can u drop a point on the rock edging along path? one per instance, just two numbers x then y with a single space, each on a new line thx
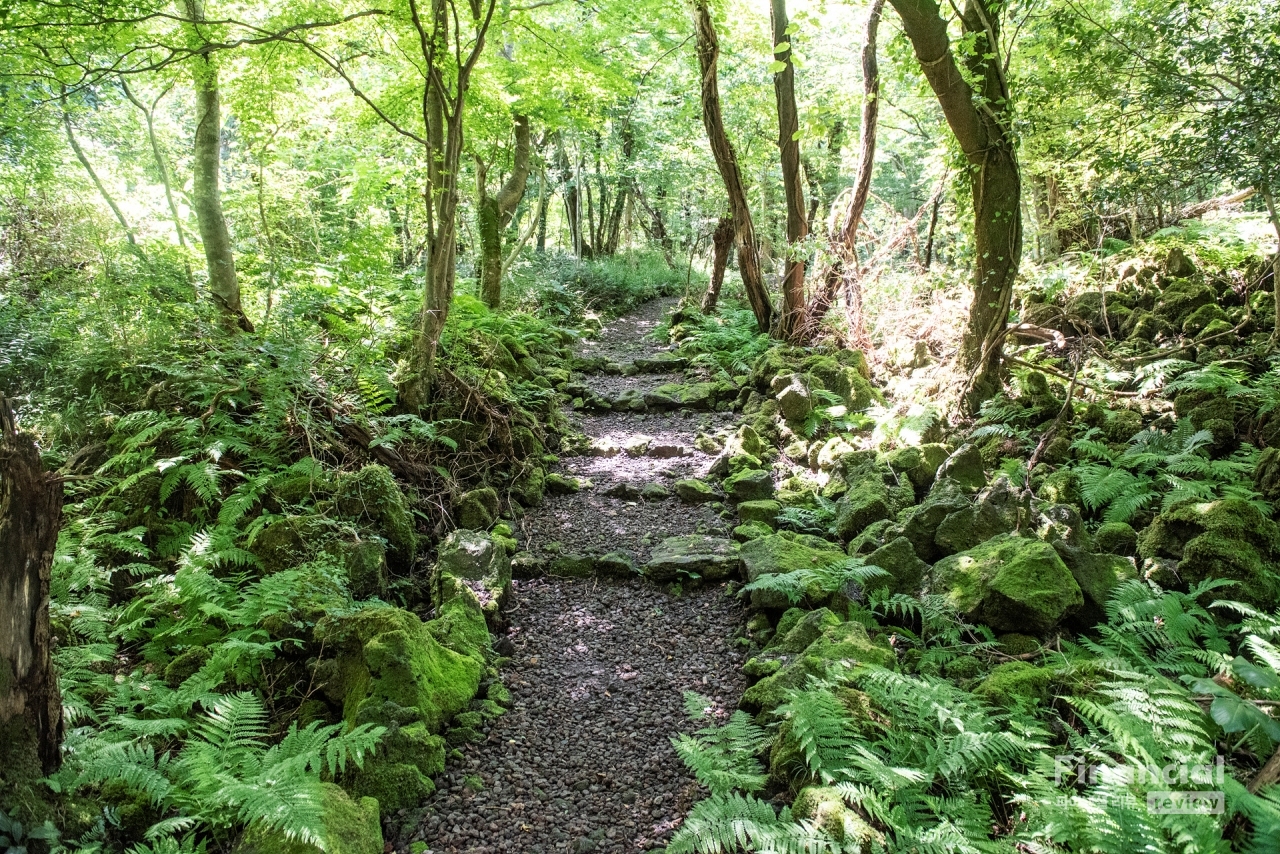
582 762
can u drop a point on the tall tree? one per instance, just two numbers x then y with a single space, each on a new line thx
30 704
784 88
206 185
708 49
975 103
496 211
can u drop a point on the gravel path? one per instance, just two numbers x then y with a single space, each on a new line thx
583 762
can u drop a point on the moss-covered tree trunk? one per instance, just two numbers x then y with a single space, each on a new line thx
206 184
708 48
495 213
975 105
1274 215
784 88
30 704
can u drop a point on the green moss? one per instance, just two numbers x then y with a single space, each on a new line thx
1061 487
1227 539
1197 320
1117 538
371 494
558 484
789 620
460 625
476 510
751 531
848 383
805 631
847 643
386 655
185 665
964 667
351 827
781 554
760 511
530 486
393 786
290 541
827 810
898 558
1018 644
365 562
499 694
749 485
1011 583
1016 684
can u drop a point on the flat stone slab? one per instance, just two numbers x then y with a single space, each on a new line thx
709 558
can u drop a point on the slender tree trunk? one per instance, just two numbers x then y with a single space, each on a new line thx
721 241
708 48
206 186
30 703
93 175
495 213
933 229
844 269
542 215
979 121
162 167
1267 197
784 88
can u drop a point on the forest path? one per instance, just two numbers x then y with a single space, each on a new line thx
582 762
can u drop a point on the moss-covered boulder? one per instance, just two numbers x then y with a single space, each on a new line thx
824 806
476 510
803 631
365 562
1016 683
291 540
1117 538
707 558
477 561
1061 487
1010 583
970 527
351 826
906 570
864 503
766 511
372 495
749 485
694 491
846 381
1228 539
530 485
460 623
964 468
387 658
779 554
1098 576
920 524
1180 299
919 464
846 644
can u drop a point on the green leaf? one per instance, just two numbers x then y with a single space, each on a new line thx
777 67
781 47
1254 675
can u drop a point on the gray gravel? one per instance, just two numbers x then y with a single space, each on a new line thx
583 761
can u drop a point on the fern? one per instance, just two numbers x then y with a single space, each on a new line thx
727 823
723 758
821 726
817 580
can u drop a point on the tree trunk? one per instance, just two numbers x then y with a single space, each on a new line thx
784 88
979 121
542 215
93 176
442 111
495 213
933 229
162 167
30 703
206 191
708 48
1275 259
844 269
721 240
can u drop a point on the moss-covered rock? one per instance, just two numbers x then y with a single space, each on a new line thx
760 511
751 531
1180 299
290 540
530 485
1117 538
845 381
1016 684
708 558
969 527
372 495
619 564
845 643
920 523
460 623
350 827
749 485
558 484
803 631
1010 583
1061 487
781 554
864 503
477 561
695 491
964 468
388 660
827 810
898 558
919 464
476 510
1227 539
365 562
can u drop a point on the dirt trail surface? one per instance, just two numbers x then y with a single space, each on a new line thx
583 762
